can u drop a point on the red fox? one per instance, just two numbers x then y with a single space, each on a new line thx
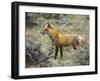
61 39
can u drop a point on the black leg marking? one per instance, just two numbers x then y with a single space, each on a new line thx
61 52
74 47
56 53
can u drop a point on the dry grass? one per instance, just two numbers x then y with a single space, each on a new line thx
78 24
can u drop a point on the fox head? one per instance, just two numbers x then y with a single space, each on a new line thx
48 27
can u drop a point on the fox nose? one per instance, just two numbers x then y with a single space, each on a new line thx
42 32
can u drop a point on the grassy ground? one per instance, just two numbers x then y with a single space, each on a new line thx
78 24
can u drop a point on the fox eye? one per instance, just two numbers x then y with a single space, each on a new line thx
51 28
46 29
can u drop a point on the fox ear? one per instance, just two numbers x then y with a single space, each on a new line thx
48 25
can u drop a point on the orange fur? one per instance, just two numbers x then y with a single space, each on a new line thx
61 39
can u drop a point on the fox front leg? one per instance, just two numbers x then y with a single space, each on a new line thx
61 52
56 53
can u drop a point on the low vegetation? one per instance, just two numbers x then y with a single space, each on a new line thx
40 50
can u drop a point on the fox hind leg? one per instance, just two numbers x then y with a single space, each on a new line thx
74 47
